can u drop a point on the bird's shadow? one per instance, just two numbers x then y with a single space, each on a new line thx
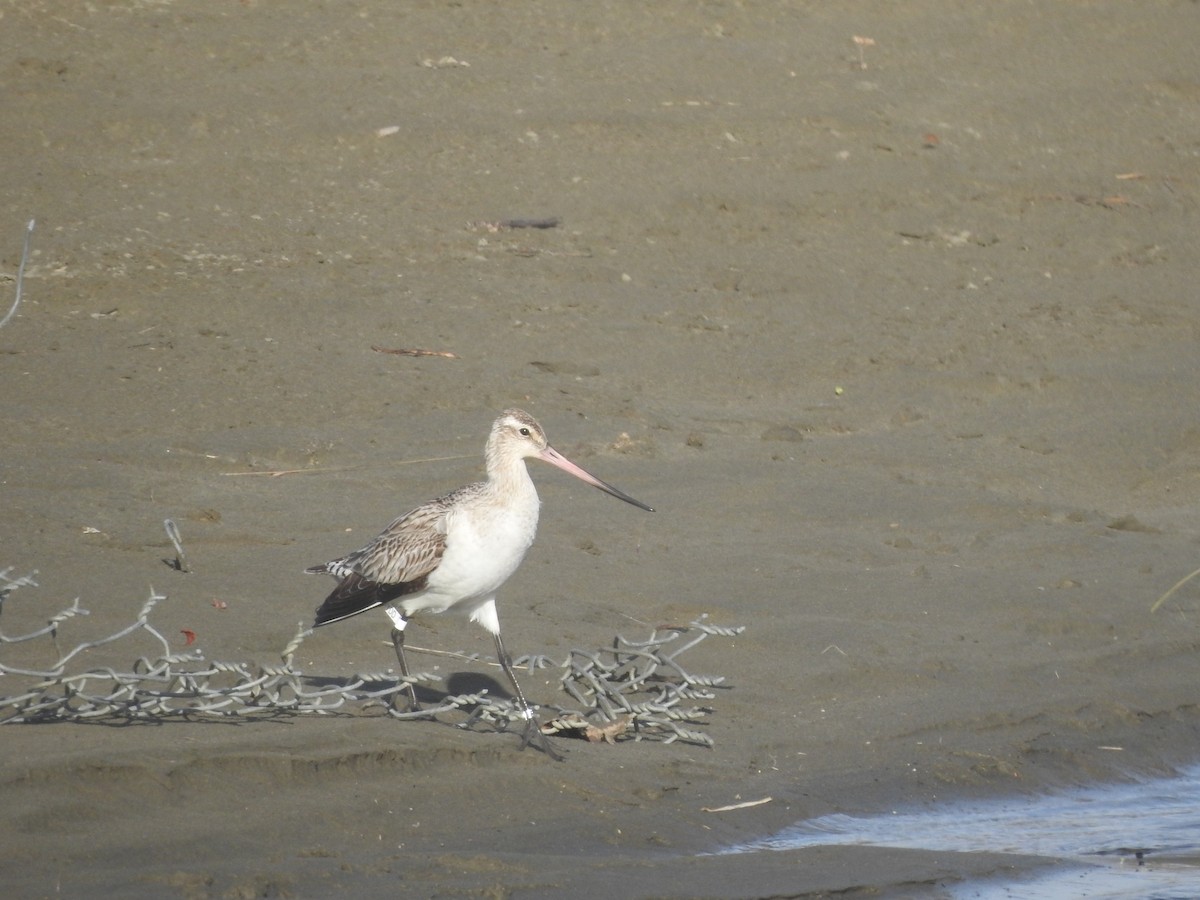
474 683
456 684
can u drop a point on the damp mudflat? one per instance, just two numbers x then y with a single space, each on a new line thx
888 310
1134 838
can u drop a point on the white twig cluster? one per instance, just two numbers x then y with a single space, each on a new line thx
639 686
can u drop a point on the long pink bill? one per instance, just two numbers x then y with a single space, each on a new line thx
555 458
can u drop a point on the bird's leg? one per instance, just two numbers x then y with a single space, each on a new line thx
533 732
398 621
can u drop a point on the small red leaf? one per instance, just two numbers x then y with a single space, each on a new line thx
189 636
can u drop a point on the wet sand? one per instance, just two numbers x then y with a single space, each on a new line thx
901 347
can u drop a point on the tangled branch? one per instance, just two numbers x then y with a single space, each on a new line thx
633 689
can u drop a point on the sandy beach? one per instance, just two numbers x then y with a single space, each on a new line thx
885 308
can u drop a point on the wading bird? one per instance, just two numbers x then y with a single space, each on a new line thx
455 552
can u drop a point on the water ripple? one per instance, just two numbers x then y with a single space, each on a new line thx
1121 840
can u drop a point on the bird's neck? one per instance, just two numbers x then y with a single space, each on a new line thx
509 480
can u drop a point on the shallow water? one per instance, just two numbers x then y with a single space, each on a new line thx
1139 839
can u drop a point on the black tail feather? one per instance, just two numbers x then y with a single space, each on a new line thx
355 594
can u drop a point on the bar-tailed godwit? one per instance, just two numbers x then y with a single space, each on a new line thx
457 551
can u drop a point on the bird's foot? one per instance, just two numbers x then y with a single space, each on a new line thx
410 692
535 737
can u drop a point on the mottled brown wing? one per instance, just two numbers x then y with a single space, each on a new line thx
396 563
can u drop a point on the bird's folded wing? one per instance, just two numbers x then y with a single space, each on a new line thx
396 563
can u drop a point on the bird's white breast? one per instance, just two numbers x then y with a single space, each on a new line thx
485 543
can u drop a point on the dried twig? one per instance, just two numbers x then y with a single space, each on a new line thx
505 224
20 275
180 563
324 470
401 351
733 806
1180 583
861 42
276 473
551 222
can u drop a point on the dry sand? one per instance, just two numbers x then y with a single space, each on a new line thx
904 354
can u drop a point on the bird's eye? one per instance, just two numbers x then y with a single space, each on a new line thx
525 432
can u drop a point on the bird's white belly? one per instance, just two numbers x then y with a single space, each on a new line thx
483 549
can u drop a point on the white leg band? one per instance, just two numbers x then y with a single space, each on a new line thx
397 618
527 714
